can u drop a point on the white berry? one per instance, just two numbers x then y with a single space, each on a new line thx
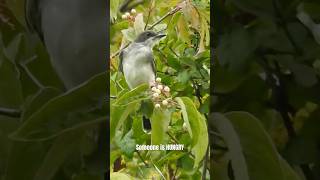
158 79
184 126
165 102
124 16
158 91
157 106
166 89
160 87
127 14
133 11
155 95
153 89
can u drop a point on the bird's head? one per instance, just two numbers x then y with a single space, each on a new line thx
150 38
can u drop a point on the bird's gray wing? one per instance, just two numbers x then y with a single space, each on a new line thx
121 61
153 65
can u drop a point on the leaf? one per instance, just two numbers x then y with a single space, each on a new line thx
226 81
61 113
159 124
135 95
139 24
10 88
309 23
235 49
262 8
191 14
24 160
118 116
196 126
261 156
59 151
289 173
114 8
127 144
38 100
120 176
129 34
303 74
183 30
232 141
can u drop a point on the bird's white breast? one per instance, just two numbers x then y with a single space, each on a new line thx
137 66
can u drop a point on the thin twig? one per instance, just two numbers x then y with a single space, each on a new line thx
15 113
173 11
141 158
149 13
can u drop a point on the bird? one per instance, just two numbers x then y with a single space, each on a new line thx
137 60
75 34
138 66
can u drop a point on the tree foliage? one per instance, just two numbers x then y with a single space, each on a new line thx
183 64
265 90
46 132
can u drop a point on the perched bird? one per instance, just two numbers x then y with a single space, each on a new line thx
75 35
137 63
137 60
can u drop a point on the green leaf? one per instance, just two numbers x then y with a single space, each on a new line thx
127 144
114 8
159 124
120 176
38 100
24 160
10 88
261 156
235 49
129 34
261 8
61 148
135 95
289 173
196 126
309 23
118 115
62 114
232 140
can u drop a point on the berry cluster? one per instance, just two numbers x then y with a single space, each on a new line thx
128 16
161 95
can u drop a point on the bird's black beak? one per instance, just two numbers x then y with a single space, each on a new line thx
160 36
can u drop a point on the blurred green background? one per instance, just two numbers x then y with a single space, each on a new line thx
265 95
46 132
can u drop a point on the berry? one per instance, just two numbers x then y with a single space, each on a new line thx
158 91
133 11
155 95
160 87
157 106
166 89
165 102
158 79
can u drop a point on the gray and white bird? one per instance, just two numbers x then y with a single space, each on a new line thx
137 60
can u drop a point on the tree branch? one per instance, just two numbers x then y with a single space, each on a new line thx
15 113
